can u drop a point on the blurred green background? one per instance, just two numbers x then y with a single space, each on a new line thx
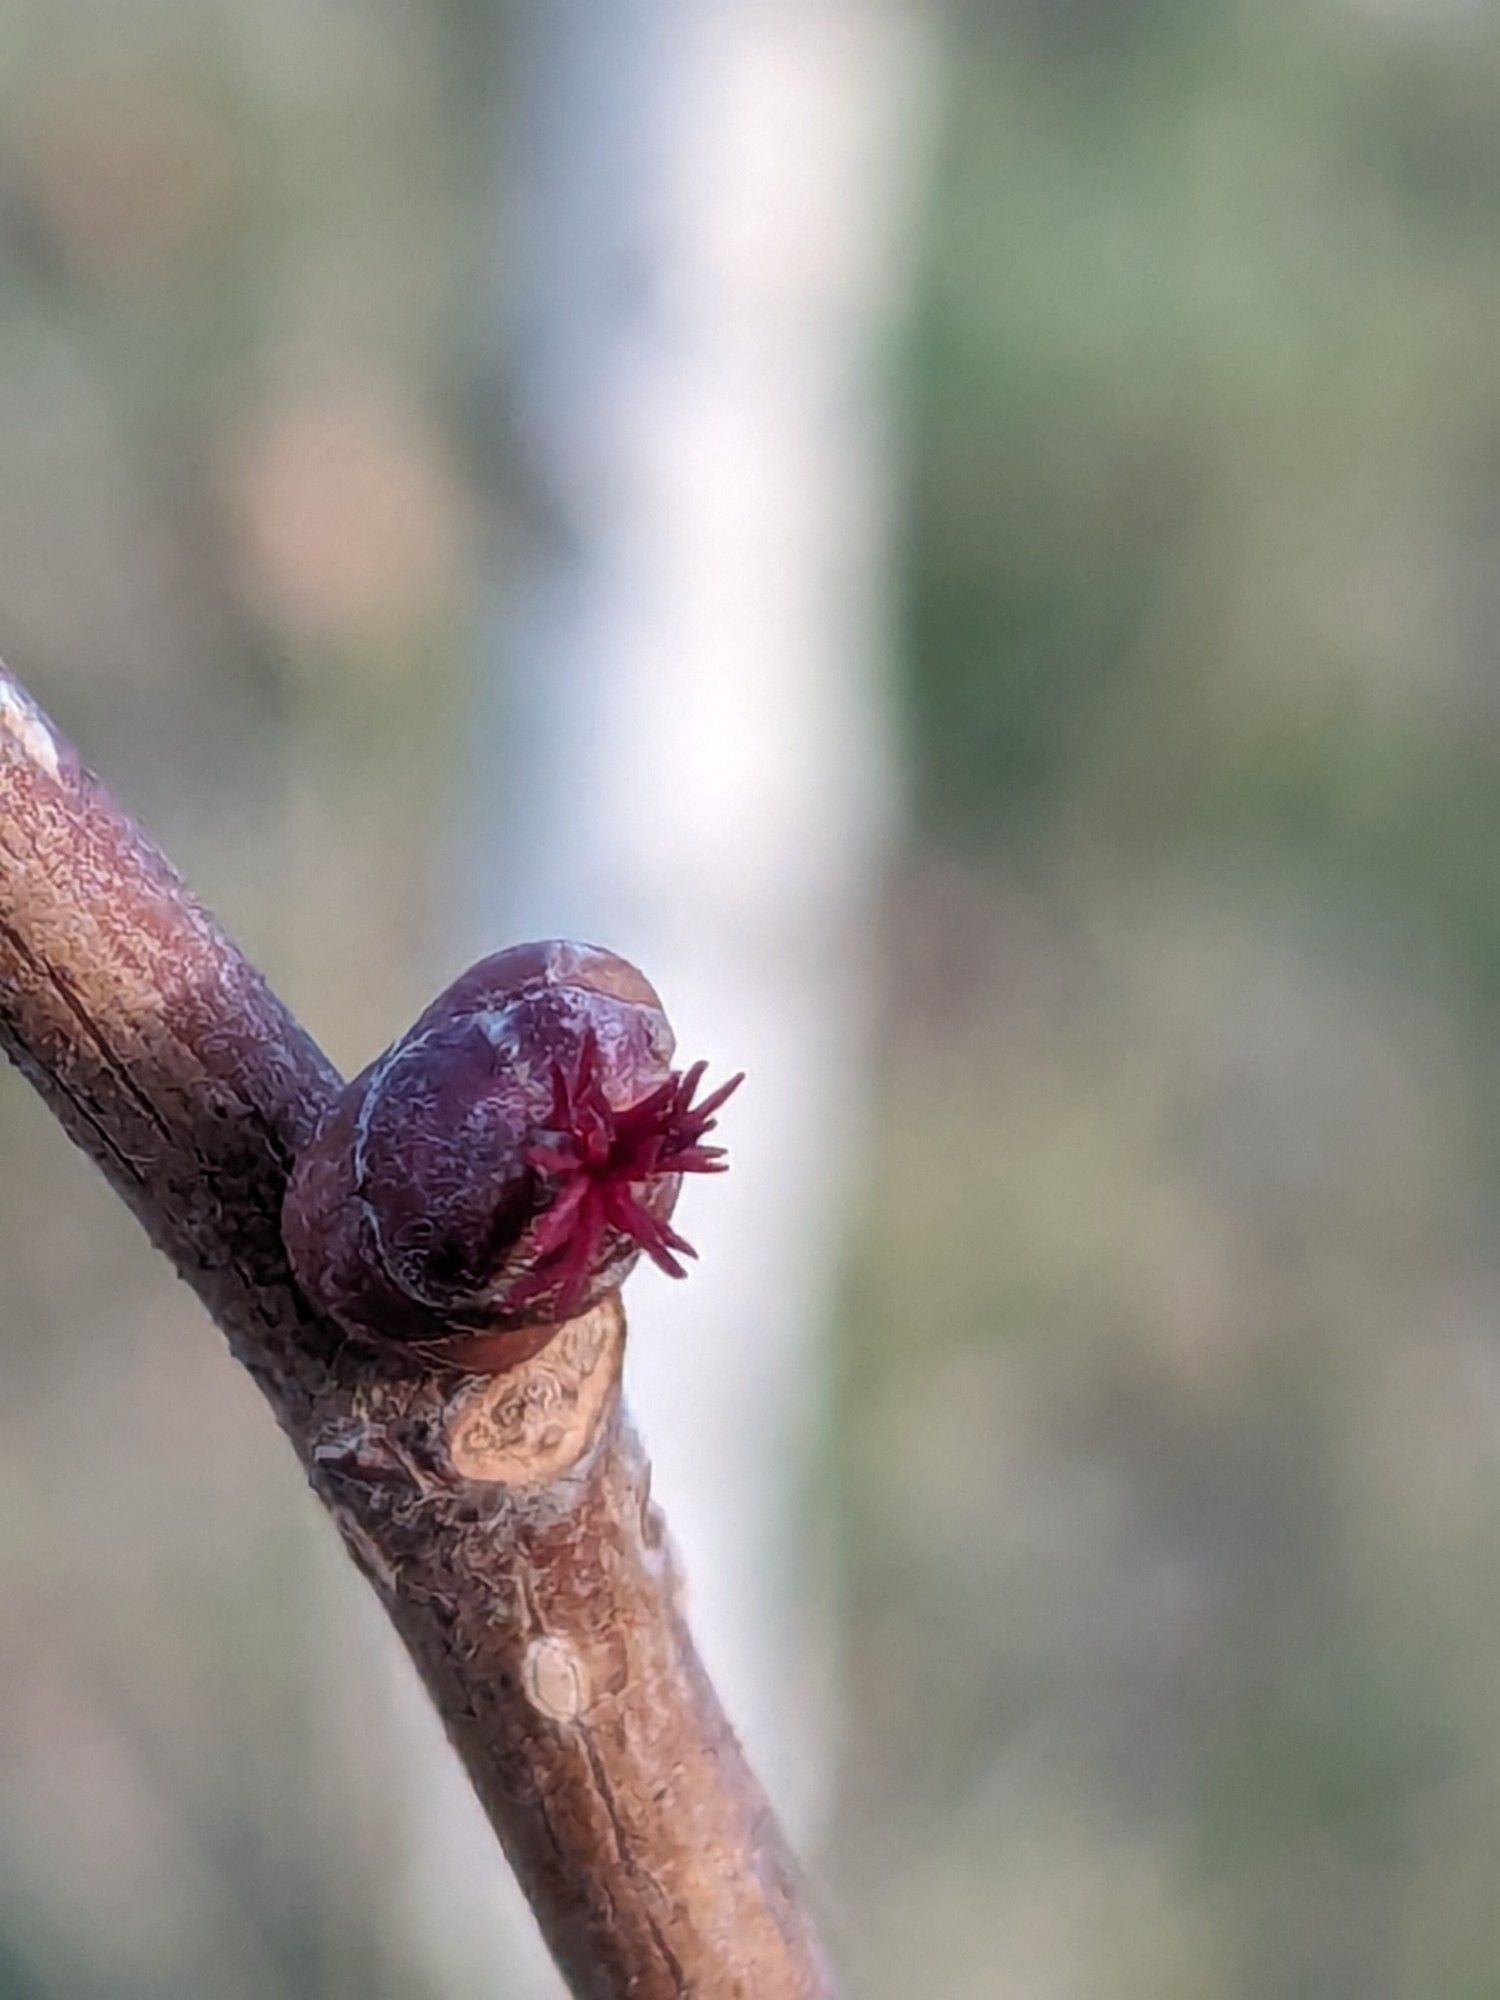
1166 1456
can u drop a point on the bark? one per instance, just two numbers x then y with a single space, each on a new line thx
505 1523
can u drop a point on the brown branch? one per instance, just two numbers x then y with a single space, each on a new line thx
506 1523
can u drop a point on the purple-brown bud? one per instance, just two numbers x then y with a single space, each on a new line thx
504 1164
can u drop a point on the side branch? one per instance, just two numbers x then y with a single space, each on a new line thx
506 1523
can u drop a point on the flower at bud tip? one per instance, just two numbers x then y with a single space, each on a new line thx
506 1162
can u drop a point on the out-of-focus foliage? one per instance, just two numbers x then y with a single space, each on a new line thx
242 251
1168 1442
1173 1458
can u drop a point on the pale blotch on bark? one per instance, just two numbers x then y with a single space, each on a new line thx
26 728
555 1679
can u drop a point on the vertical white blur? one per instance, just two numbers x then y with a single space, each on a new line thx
682 748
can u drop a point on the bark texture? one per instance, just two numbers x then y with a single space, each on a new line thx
506 1522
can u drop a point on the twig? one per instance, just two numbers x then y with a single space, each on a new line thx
505 1523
